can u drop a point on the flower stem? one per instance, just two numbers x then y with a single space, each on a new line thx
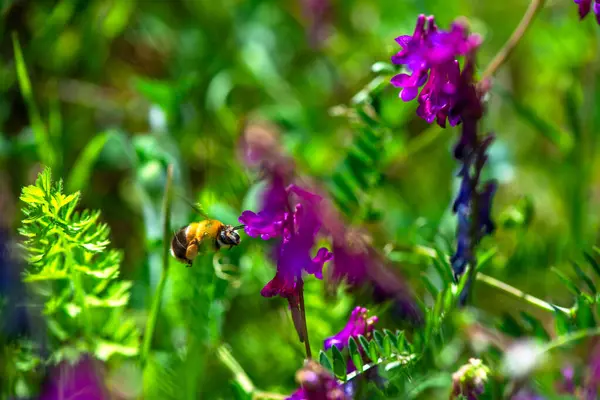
152 317
520 294
239 375
534 7
303 313
571 337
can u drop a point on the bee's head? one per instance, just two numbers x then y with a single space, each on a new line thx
228 236
179 246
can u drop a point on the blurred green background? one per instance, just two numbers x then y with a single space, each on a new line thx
119 89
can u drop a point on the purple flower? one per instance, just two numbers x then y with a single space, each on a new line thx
318 13
358 324
76 382
527 394
430 55
469 381
465 201
316 383
585 6
297 227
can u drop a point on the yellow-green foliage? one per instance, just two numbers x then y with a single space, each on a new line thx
75 274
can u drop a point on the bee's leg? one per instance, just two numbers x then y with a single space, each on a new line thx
189 264
191 251
230 247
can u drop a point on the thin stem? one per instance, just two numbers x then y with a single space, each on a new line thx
239 375
268 396
520 294
534 7
303 313
151 324
572 337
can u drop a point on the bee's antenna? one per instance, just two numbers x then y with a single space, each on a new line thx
237 228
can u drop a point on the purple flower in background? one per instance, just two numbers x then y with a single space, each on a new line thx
430 56
469 381
297 227
359 265
527 394
75 382
358 324
592 382
318 13
316 383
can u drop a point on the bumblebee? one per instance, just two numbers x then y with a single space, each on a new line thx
202 237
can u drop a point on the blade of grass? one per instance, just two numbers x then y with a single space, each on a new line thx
150 325
82 169
46 151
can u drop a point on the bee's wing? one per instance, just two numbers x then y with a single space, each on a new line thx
195 206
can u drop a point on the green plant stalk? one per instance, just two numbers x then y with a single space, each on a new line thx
534 301
305 326
502 56
156 302
45 149
239 375
571 337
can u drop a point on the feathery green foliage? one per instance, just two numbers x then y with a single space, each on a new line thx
75 274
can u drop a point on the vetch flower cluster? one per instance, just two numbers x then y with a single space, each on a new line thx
290 214
430 56
469 381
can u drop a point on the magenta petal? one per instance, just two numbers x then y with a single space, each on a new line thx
403 40
262 224
409 93
358 324
400 80
316 267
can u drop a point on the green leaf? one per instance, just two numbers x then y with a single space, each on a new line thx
393 338
584 316
325 361
429 285
364 343
105 349
562 139
584 277
355 354
567 281
590 259
373 351
45 148
80 174
378 338
239 393
562 323
339 364
536 326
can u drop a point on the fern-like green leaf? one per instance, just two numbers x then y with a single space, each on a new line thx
75 274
